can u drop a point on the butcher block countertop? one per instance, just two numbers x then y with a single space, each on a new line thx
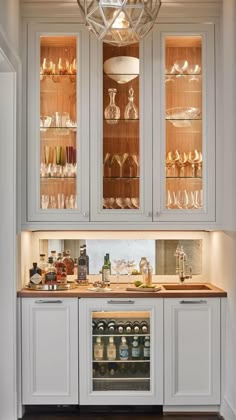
164 290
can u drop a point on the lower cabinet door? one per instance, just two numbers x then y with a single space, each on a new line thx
50 351
192 351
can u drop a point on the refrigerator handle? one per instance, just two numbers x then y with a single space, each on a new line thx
120 302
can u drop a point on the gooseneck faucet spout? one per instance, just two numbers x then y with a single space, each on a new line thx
182 268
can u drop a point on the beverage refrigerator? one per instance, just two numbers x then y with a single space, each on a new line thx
121 351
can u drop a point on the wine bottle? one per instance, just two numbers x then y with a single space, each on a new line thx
87 257
144 327
82 268
136 327
101 326
68 261
108 262
106 272
128 327
111 326
112 369
120 327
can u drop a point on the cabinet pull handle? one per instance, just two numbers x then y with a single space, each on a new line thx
120 302
149 214
192 301
48 301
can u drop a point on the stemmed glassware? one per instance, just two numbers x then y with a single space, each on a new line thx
129 265
171 161
120 158
193 159
182 163
118 266
136 161
181 66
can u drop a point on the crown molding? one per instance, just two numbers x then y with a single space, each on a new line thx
169 9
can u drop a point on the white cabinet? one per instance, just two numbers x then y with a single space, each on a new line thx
192 351
57 123
129 376
49 351
173 140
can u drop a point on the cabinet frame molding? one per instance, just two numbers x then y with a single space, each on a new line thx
34 212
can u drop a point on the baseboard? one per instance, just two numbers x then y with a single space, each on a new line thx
227 410
206 409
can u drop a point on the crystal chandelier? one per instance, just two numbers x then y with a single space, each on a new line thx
119 22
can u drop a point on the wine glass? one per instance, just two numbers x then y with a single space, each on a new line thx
182 199
193 158
129 265
182 162
121 158
118 266
107 163
171 161
171 199
194 70
135 202
199 165
136 161
181 66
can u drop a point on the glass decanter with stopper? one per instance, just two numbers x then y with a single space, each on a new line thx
112 111
131 110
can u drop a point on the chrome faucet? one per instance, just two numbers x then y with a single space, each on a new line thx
182 268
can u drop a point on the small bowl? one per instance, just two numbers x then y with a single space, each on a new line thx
122 69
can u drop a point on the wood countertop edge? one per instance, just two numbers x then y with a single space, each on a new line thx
82 292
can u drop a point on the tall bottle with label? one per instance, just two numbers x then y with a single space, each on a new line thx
35 275
69 263
108 262
87 257
43 265
60 266
111 349
106 272
82 269
123 349
51 273
98 349
146 348
136 349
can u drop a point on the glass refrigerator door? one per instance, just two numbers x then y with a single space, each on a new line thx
121 351
58 122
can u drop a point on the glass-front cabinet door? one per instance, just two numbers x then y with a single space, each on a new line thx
184 85
121 343
121 147
58 133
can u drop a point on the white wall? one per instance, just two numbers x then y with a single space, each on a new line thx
223 244
9 22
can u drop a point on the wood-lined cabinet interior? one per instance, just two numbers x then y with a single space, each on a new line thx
121 127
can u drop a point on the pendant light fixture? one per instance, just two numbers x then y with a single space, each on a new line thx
119 22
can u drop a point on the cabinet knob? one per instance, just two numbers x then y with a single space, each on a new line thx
86 214
149 214
157 213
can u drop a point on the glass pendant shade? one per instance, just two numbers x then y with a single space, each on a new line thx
119 22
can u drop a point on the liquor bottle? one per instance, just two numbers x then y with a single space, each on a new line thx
106 272
51 272
111 326
146 348
111 349
64 276
98 349
144 327
87 258
136 349
128 327
59 264
69 263
35 274
101 326
42 265
120 327
136 327
54 256
82 269
123 349
108 262
102 369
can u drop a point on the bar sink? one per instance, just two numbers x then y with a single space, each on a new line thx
186 287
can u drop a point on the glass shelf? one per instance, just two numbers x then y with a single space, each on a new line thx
120 177
183 177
